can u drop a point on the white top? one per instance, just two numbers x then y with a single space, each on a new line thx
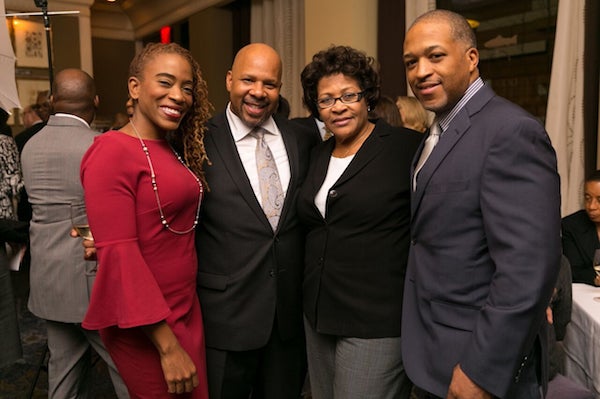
336 167
246 147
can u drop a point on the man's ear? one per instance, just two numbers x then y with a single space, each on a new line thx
96 101
228 80
473 55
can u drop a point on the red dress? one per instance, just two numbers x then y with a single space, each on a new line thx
146 273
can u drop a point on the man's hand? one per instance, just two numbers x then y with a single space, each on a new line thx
461 387
89 250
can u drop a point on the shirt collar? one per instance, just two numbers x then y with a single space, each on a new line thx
240 130
72 116
445 118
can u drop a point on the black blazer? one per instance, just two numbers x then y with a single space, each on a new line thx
580 241
309 124
247 273
356 257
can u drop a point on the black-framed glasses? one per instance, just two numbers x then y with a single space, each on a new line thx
346 98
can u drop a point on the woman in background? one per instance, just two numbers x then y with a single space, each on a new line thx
387 110
413 115
143 202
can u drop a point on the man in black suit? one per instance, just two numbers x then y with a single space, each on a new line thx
250 273
33 123
580 233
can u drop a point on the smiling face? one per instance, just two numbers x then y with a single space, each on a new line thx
439 67
346 121
164 93
253 84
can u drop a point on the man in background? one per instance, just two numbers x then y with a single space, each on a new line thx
32 122
60 279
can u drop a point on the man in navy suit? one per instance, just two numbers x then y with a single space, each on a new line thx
486 248
249 272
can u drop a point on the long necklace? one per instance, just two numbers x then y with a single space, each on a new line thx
163 219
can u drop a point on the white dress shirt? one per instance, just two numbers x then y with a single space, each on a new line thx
246 147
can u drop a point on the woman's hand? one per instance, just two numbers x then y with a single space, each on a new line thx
178 368
89 249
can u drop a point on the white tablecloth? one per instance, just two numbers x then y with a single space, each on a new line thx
582 340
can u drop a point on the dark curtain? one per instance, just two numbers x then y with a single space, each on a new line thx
391 18
591 73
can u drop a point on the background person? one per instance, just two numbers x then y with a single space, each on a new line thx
11 231
32 122
355 204
11 179
60 279
412 113
387 110
143 203
485 228
580 232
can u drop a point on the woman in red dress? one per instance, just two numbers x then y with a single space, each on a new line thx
143 203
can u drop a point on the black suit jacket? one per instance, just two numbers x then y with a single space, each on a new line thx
580 241
249 276
309 125
356 256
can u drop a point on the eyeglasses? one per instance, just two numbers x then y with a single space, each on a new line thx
346 98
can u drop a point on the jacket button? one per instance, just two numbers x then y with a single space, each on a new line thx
272 273
333 193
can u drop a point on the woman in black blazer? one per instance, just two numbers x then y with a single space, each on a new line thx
355 205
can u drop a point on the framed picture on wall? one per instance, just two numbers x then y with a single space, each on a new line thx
30 44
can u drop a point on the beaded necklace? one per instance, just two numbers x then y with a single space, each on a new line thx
163 219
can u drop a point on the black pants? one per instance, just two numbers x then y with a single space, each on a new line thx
275 371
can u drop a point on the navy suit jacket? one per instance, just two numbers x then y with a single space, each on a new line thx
248 274
485 250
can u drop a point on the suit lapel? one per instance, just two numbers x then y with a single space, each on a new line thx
225 146
459 125
291 148
369 150
318 170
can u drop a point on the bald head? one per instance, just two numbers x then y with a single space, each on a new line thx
459 27
74 92
254 82
259 52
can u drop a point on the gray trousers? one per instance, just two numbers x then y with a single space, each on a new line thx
70 364
355 368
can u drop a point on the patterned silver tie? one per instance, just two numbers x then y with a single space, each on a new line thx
268 177
432 140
